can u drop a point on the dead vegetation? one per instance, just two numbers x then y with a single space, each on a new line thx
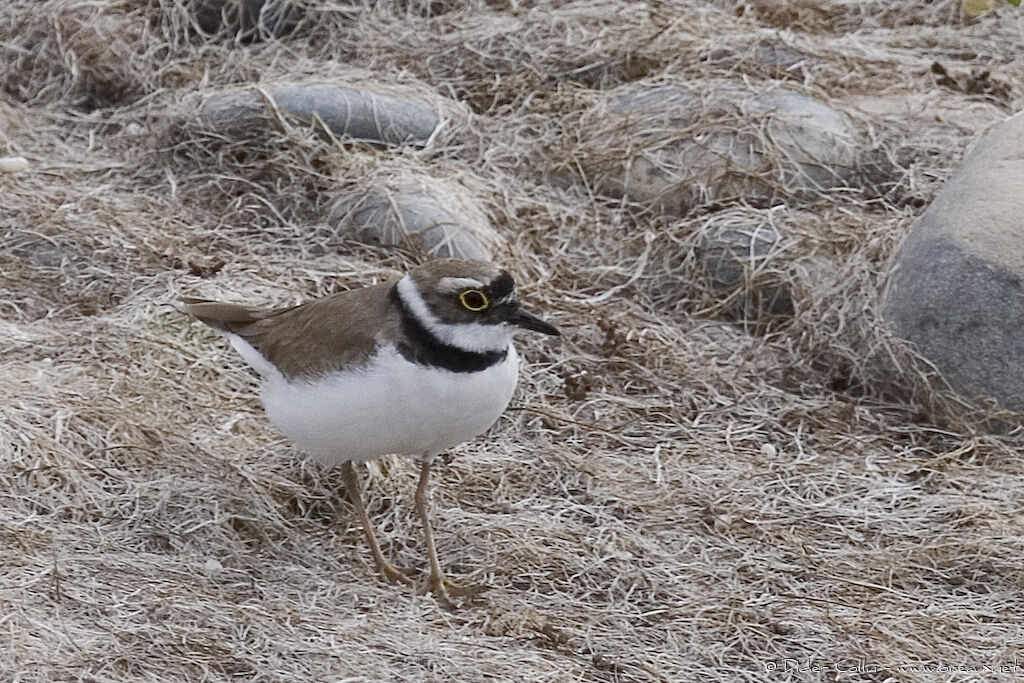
683 490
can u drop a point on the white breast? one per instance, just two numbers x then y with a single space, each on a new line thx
389 406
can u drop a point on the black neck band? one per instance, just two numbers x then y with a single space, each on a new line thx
422 347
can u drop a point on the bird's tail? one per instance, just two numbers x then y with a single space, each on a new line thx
219 315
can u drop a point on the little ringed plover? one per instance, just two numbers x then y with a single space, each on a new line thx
410 367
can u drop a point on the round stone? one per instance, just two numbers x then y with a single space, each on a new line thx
734 249
250 19
434 217
686 146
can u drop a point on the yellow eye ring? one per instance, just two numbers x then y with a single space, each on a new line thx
474 300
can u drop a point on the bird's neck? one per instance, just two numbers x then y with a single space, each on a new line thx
472 337
429 341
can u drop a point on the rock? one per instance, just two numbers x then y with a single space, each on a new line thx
42 253
956 286
252 20
676 147
768 56
15 164
432 216
730 251
734 251
779 55
358 114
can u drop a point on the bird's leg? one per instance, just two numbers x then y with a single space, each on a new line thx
388 570
436 584
436 581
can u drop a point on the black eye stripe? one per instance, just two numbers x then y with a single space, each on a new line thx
502 286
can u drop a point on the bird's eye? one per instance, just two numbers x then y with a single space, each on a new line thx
474 300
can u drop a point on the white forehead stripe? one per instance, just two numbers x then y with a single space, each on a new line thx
455 284
474 337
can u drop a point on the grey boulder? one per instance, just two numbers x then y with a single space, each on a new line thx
956 286
673 146
356 114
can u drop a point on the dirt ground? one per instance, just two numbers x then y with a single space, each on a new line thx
686 486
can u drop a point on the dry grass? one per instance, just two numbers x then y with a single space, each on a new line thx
684 490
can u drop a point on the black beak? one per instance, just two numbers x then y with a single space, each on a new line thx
529 321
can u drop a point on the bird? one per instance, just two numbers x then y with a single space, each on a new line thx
411 366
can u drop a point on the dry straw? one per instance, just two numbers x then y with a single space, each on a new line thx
686 488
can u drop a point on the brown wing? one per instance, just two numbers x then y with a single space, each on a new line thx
314 337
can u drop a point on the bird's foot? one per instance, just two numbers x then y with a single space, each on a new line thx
392 573
444 590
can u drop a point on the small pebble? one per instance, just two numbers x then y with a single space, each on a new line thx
768 450
13 164
212 566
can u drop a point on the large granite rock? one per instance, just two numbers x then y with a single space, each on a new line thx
357 114
956 286
673 146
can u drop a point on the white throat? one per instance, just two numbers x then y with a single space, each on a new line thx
474 337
